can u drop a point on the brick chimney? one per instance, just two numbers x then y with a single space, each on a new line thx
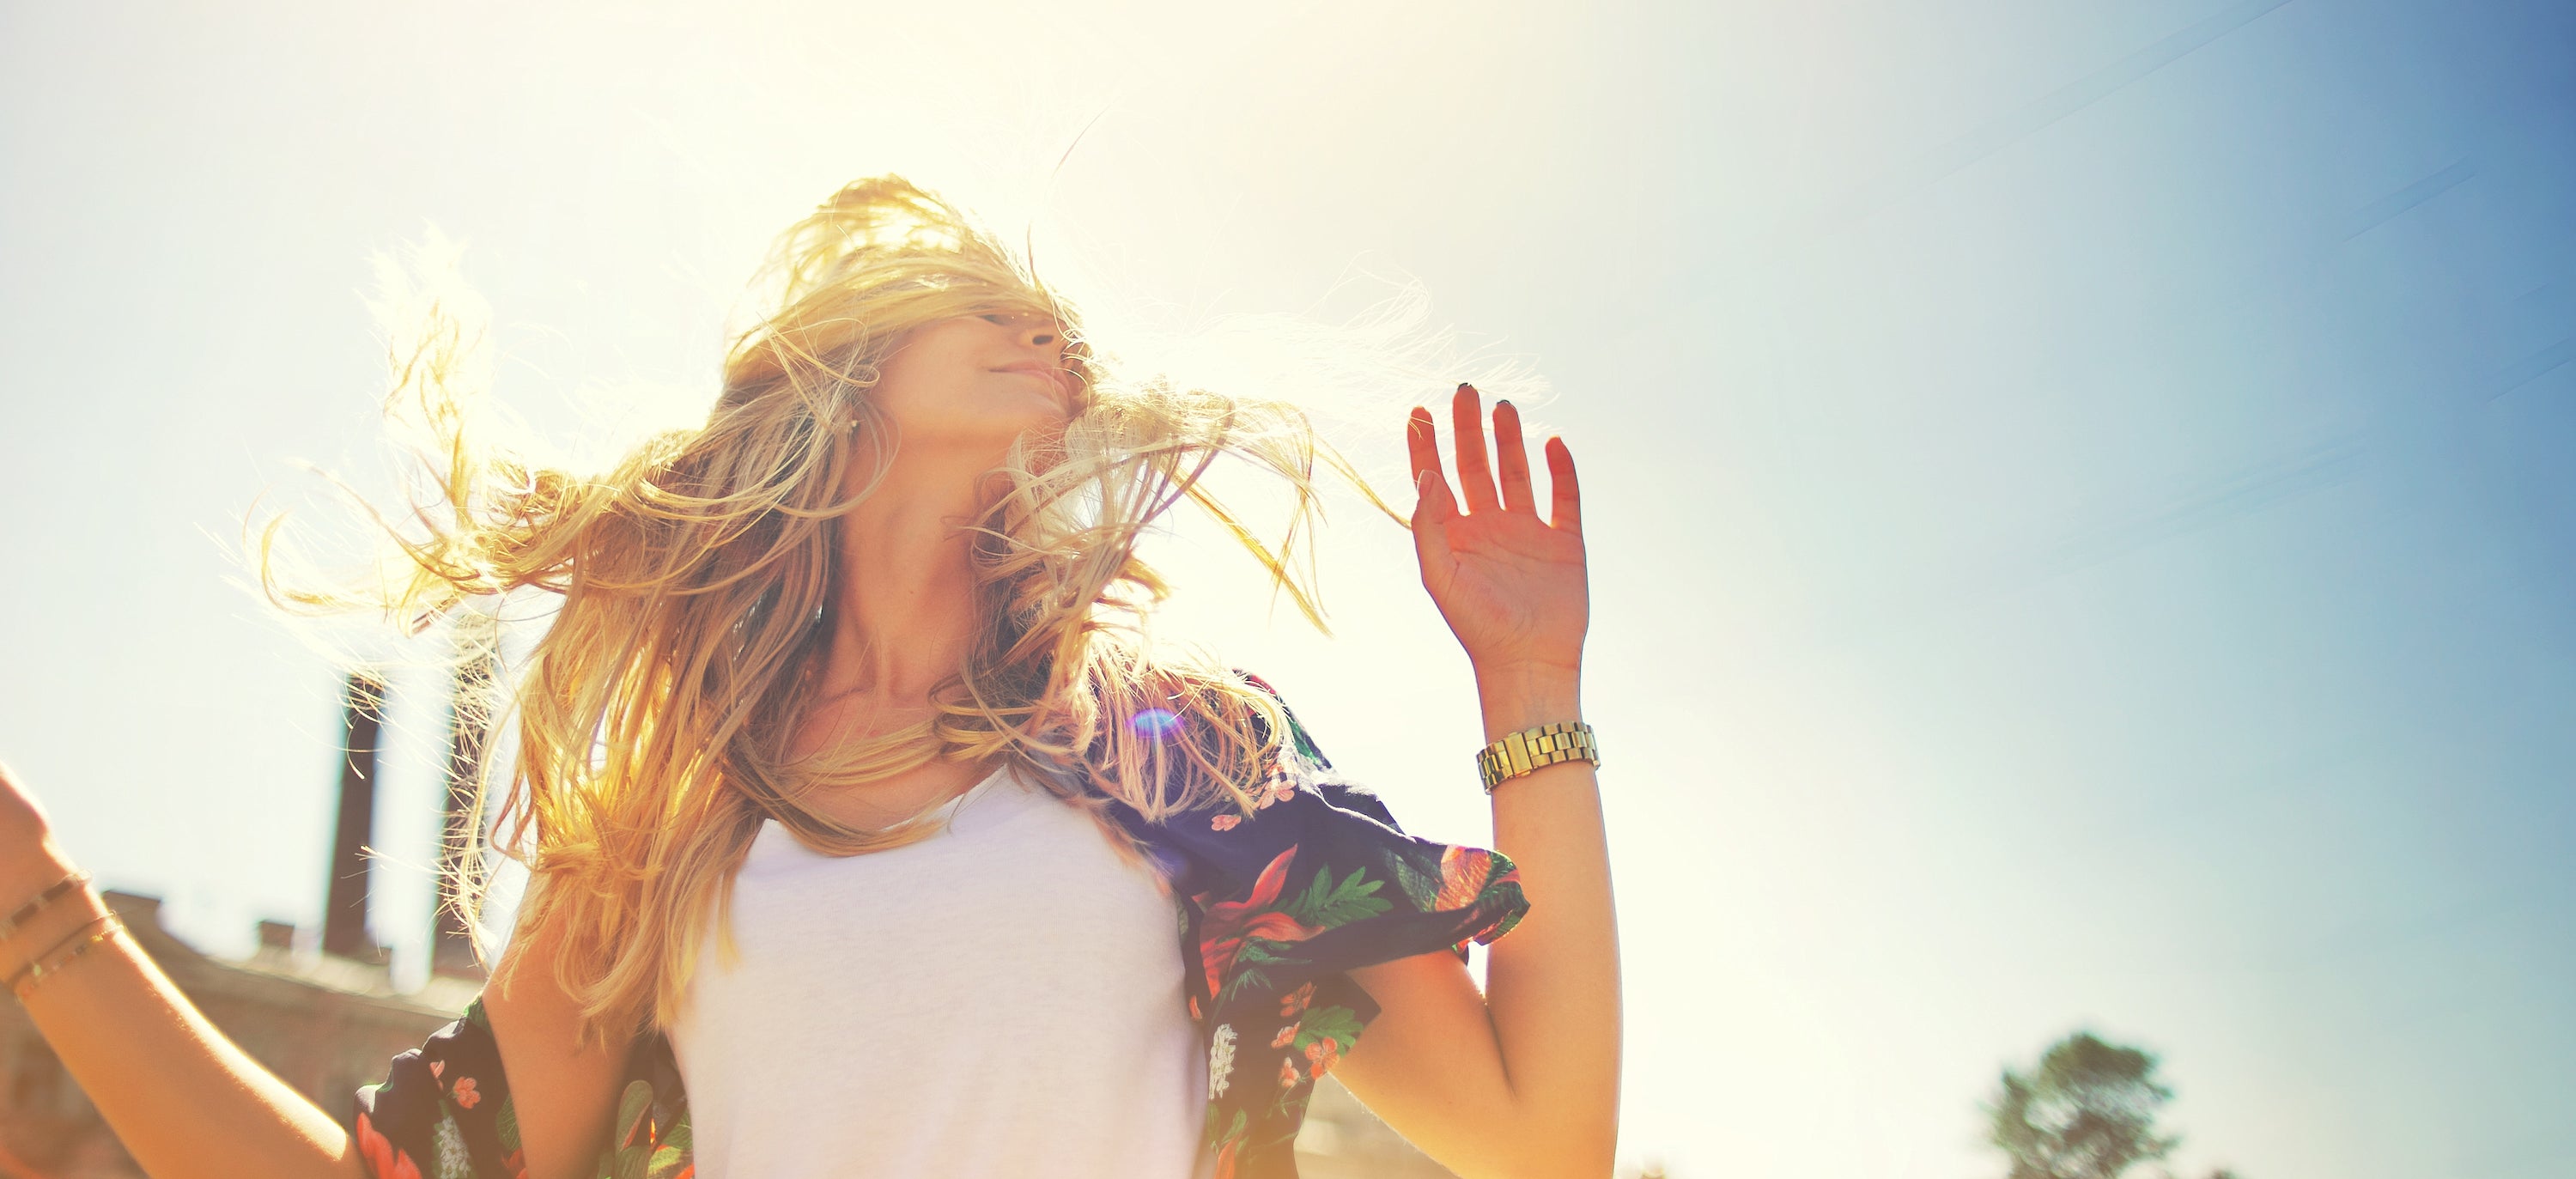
344 918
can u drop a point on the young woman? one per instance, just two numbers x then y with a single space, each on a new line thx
863 818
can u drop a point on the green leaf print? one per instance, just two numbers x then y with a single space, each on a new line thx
622 1160
668 1158
1422 888
1338 1024
1307 750
1233 1129
1325 904
1248 962
633 1110
1502 896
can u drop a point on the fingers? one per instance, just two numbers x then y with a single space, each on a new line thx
1511 459
1432 512
1566 510
1475 475
1432 507
1422 450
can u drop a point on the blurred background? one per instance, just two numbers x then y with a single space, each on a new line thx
2079 495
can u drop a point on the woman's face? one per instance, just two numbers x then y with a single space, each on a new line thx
976 382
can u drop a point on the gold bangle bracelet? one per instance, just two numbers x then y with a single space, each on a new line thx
1532 749
50 962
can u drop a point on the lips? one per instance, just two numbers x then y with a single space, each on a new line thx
1052 375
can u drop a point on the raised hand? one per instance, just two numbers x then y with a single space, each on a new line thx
1511 585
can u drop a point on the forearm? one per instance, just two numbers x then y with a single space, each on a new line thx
183 1098
1552 985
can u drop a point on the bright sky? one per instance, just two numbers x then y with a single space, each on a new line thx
2077 493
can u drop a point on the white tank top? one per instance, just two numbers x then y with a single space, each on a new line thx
1000 999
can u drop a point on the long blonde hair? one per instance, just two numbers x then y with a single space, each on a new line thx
696 574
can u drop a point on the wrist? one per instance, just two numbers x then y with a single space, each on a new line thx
23 876
1518 697
21 881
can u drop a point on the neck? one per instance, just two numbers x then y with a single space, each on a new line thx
904 616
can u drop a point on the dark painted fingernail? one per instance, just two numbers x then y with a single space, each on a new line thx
1464 387
1502 403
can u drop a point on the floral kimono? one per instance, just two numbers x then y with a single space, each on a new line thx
1275 909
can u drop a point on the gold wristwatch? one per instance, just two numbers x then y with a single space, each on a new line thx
1531 749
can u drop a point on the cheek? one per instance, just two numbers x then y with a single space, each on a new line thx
932 395
917 381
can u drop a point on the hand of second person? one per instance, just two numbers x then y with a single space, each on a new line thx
1511 585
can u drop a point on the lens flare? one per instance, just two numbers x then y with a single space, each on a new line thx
1159 724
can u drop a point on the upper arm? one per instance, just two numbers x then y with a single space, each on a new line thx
565 1098
1429 1064
1430 1061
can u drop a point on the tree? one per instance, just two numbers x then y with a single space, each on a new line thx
2087 1112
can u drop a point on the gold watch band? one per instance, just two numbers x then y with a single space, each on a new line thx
1530 749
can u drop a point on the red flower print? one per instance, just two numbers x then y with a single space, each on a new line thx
515 1164
1226 822
382 1159
1323 1054
1462 876
466 1097
1288 1074
1296 1000
1228 923
1286 1036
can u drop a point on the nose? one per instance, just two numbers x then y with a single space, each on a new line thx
1045 334
1050 339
